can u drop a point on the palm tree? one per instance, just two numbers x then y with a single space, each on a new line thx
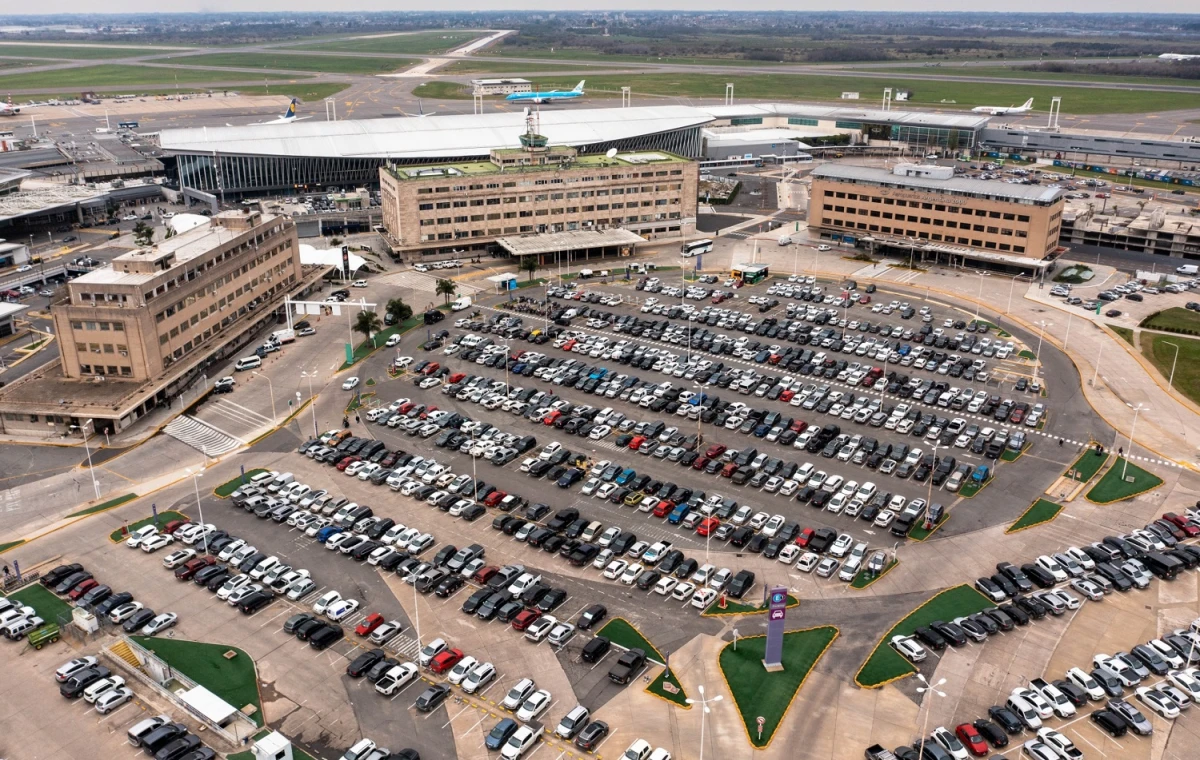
367 322
446 288
398 309
529 264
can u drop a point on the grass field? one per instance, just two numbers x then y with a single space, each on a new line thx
1175 319
418 43
769 695
80 52
676 695
1160 351
163 519
105 505
230 486
1113 488
1087 465
330 64
1075 274
309 92
117 75
48 606
1125 333
306 90
886 664
233 680
447 90
1014 73
580 55
1041 511
470 66
622 633
951 95
865 578
751 607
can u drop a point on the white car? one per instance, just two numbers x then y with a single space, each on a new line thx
631 573
325 601
342 609
949 742
124 612
241 592
520 741
112 699
615 569
1062 746
665 585
1158 702
177 558
1187 682
397 677
156 542
518 694
481 675
350 383
136 538
910 648
101 686
533 706
683 591
460 670
703 598
808 562
160 623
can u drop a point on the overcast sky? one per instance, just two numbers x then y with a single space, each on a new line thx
136 6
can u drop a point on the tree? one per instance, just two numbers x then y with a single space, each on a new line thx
398 309
143 234
367 322
446 289
529 264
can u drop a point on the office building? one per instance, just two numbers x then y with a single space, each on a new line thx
927 211
501 86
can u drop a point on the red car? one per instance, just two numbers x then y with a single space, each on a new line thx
700 463
804 537
431 368
369 624
707 525
494 498
175 525
662 508
1187 526
484 574
455 377
552 417
445 660
346 462
799 426
637 442
787 395
728 470
569 345
406 407
186 571
972 740
524 618
83 588
715 451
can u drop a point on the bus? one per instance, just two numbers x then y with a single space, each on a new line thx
6 134
695 248
127 124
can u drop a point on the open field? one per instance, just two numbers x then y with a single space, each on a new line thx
1113 486
573 54
951 95
329 64
1041 511
48 606
1174 319
303 89
81 52
1161 354
232 679
116 75
1063 76
417 43
470 66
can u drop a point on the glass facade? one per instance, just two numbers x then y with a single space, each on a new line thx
940 137
799 122
745 122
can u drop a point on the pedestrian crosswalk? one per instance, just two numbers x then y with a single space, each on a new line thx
403 644
201 436
233 418
425 282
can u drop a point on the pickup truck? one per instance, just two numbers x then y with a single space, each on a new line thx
877 752
627 666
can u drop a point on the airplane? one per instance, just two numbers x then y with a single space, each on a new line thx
420 114
547 97
8 109
1004 111
288 117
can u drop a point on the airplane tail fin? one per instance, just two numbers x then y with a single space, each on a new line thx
1028 104
420 108
291 111
579 87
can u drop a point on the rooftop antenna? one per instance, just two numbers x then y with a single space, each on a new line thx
610 154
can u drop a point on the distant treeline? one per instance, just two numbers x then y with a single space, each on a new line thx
1155 68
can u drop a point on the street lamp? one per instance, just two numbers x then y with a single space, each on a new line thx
1135 409
312 402
270 385
704 703
1171 380
1037 360
199 507
922 690
91 470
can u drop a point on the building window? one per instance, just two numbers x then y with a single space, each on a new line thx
796 121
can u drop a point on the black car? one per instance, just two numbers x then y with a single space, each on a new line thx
552 599
991 733
326 637
592 615
307 628
178 748
138 620
255 602
930 638
162 736
359 666
592 735
60 573
473 602
449 585
595 649
377 671
1007 719
950 632
1114 725
74 686
500 733
432 697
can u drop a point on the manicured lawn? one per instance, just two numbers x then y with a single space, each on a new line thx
444 90
677 695
377 341
507 67
1175 319
969 488
1027 354
119 75
295 61
1074 274
1041 511
416 43
163 519
9 545
80 52
865 578
1063 76
230 486
105 505
1112 488
1124 332
49 607
304 89
886 664
1160 350
769 695
1008 455
1087 465
753 607
620 632
918 532
233 680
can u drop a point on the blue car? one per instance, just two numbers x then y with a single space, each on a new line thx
500 734
329 530
626 475
761 431
677 514
981 474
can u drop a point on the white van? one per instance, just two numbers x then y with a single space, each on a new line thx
785 240
461 303
247 362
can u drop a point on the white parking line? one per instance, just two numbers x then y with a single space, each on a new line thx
465 709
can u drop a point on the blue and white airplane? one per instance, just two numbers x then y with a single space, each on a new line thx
288 117
548 97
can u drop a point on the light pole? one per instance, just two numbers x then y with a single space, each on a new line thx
1096 375
704 703
91 470
1011 287
979 297
1067 337
922 690
1135 409
270 385
312 402
199 507
1037 360
1171 380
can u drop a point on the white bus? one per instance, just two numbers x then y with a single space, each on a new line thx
695 248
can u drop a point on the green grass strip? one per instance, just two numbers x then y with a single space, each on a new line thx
678 696
1124 332
918 532
864 578
9 545
1025 353
1086 466
1113 488
232 679
734 607
230 486
757 692
106 505
1041 511
163 518
885 664
48 606
622 633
